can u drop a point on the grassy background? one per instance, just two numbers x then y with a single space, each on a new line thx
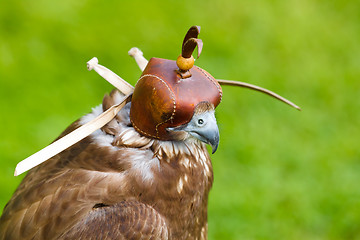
279 173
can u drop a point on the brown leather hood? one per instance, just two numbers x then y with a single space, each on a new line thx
162 98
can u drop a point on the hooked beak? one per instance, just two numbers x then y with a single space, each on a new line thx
209 136
203 127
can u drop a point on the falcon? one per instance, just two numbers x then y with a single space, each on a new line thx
135 167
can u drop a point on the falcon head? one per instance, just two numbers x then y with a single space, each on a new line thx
175 100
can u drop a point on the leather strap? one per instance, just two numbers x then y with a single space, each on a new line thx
257 88
70 139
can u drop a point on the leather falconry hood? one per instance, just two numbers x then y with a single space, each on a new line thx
168 91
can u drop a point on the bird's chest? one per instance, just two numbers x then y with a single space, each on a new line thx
179 191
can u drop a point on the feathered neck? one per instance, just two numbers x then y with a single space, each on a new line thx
120 133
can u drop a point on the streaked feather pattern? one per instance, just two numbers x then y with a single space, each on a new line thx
114 184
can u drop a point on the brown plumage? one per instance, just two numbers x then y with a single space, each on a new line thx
115 184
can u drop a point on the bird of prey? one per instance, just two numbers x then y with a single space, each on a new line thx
145 174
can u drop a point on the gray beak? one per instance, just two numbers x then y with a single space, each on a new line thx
203 127
209 136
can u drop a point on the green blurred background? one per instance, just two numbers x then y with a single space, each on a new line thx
279 173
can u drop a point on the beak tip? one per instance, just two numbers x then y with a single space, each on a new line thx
214 148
